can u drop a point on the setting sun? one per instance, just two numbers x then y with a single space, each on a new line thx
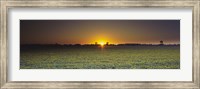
102 43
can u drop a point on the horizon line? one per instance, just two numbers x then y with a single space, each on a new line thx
88 43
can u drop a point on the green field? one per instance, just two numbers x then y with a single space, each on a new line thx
94 57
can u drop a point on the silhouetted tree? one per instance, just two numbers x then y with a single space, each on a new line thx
77 44
161 42
107 43
96 43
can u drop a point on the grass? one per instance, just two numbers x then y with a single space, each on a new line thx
93 57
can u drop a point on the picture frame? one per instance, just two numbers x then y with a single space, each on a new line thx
4 44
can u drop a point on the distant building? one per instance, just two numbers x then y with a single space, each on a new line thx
161 42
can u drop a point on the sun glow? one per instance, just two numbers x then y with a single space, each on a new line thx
102 43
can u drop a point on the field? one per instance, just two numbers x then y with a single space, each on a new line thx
94 57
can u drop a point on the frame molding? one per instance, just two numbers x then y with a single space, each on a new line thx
6 4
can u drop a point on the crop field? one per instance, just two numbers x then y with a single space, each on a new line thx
94 57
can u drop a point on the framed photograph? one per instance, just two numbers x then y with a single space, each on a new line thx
100 44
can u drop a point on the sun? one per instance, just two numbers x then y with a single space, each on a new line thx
102 43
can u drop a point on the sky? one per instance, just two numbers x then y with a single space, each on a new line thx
91 31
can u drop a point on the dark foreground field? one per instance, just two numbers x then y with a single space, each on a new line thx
94 57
